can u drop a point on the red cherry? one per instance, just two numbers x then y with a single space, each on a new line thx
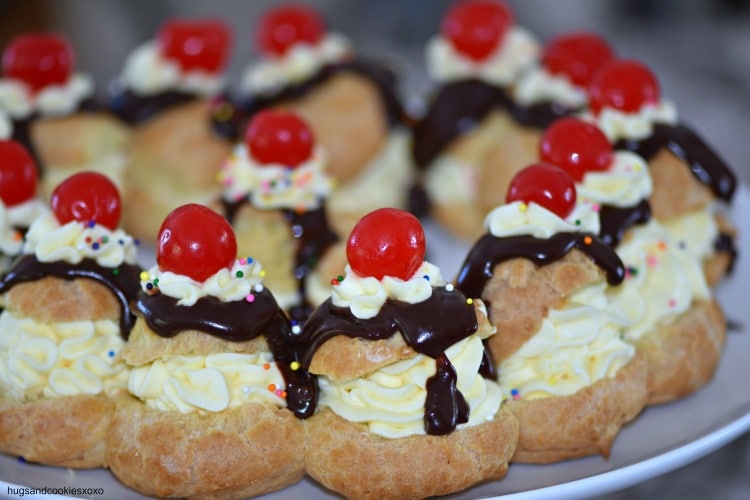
386 242
476 28
577 56
38 60
545 185
576 146
195 241
279 137
625 85
18 173
196 45
87 197
281 28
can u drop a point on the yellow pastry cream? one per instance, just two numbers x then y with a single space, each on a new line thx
392 399
578 343
46 359
217 381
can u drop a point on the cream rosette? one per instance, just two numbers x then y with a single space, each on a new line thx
538 85
18 100
634 126
518 218
625 184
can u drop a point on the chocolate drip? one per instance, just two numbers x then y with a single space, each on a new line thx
122 281
725 244
236 321
135 109
488 368
455 109
615 221
703 162
383 78
489 251
445 406
428 327
459 106
313 235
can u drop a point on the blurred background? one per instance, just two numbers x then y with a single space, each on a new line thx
700 50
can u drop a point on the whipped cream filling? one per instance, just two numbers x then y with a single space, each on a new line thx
17 216
227 284
147 72
539 85
297 64
576 346
210 383
518 218
618 124
6 126
47 360
18 101
624 184
391 400
72 242
517 51
694 232
274 185
365 296
662 280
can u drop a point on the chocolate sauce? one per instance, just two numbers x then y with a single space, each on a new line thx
725 244
489 251
122 281
703 162
459 106
615 221
134 109
383 78
445 406
236 321
428 327
313 235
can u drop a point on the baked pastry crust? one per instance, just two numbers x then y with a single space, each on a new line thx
409 467
676 191
240 452
682 356
67 431
583 423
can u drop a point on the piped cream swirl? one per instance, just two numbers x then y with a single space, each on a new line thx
624 184
18 101
539 85
639 125
518 218
299 63
147 72
17 216
502 67
50 241
273 186
364 296
228 284
6 126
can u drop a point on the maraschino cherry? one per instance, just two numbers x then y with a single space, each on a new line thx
386 242
279 137
195 241
576 146
87 197
545 185
18 173
625 85
577 56
38 60
476 28
283 27
196 45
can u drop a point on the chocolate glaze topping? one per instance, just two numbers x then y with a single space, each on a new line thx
382 77
428 327
725 244
133 108
459 106
313 235
489 251
124 283
236 321
704 163
615 221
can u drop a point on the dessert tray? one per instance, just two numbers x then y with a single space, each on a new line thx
662 439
